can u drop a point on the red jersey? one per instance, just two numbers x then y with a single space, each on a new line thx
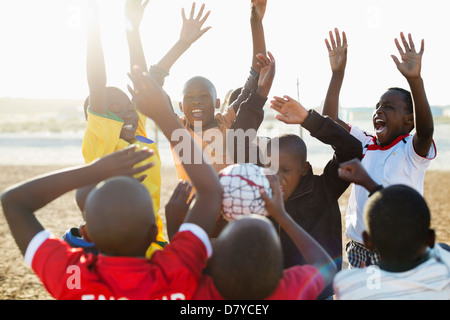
170 274
298 283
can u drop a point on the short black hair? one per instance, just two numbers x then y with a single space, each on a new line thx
247 263
397 220
292 142
407 97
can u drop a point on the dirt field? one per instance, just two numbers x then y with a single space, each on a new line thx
18 282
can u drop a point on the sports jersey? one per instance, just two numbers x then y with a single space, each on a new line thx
171 273
427 281
298 283
102 137
397 163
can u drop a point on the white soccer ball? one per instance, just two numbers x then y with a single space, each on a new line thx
241 184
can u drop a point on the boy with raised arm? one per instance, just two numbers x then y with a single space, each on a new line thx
114 123
393 155
120 221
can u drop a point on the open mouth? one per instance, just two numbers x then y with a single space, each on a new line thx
379 126
197 113
129 127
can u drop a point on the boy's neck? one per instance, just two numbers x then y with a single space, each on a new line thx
402 267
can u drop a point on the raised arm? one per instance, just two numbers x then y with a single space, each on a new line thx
191 31
312 251
152 102
95 65
134 11
352 171
20 201
410 68
337 52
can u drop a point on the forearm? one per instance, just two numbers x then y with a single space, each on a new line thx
329 132
250 85
137 56
169 59
422 113
95 69
259 41
310 249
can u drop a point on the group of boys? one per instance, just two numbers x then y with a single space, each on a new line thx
295 253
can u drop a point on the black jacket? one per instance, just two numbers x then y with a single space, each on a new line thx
314 203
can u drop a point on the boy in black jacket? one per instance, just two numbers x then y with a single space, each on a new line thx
311 200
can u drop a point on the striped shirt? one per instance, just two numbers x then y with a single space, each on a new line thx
427 281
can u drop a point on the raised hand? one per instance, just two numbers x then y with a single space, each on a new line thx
178 206
411 60
258 9
266 73
290 110
337 51
148 95
125 162
274 204
134 11
192 27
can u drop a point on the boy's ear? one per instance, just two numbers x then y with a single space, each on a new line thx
181 106
431 239
305 168
217 103
410 119
84 233
367 241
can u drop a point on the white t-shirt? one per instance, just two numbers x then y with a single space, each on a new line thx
397 163
428 281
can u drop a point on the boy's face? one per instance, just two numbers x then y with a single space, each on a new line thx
119 104
291 169
199 103
391 118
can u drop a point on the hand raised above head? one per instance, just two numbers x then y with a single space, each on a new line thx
134 11
192 27
258 9
337 51
411 63
290 111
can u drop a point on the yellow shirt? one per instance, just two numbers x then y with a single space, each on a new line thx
102 137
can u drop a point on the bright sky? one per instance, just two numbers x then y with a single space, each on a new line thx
43 46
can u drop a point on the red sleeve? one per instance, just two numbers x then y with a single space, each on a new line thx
206 290
52 262
299 283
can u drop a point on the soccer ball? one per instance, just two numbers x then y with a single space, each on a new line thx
241 183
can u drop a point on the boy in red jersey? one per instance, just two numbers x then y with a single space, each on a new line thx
119 220
247 262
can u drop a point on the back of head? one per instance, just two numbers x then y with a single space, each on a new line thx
247 262
398 222
119 217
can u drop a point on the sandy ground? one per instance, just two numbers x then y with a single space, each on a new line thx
18 282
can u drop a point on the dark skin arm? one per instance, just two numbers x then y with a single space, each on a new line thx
337 52
410 68
19 202
134 11
353 172
312 251
153 103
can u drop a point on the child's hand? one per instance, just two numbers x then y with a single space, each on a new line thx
291 111
274 205
178 206
134 11
411 60
192 28
123 162
353 171
337 51
258 9
266 73
148 95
